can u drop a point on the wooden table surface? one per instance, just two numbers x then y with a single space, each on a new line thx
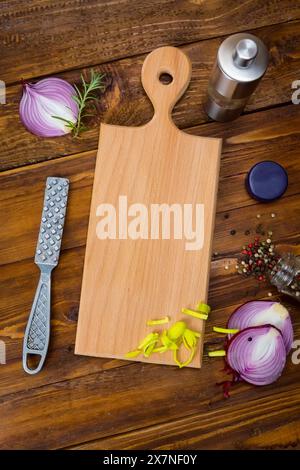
88 403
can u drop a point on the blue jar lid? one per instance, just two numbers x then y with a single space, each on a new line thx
267 181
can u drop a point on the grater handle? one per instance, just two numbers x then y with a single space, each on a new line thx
36 339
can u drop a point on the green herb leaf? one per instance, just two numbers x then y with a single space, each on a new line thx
71 125
84 97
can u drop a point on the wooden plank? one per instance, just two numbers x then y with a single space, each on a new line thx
63 406
124 102
272 134
273 427
122 400
16 304
43 37
245 144
241 220
19 281
87 393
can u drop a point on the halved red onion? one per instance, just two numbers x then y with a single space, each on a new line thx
42 101
257 354
263 312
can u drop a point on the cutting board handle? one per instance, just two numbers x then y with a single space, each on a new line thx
165 60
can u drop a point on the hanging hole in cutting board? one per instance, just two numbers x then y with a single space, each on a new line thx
165 60
165 78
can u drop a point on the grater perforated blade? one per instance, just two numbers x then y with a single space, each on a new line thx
37 332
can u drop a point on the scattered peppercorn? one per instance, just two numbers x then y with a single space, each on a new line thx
232 232
258 258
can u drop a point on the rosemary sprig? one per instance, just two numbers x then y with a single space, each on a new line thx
82 98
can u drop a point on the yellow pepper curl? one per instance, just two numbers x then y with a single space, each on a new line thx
146 346
177 335
172 339
160 321
201 311
189 339
217 353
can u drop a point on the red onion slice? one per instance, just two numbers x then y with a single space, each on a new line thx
43 100
257 354
263 312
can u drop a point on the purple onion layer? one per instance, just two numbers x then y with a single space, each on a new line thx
257 354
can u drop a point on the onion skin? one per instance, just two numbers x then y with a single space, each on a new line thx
257 354
43 100
263 312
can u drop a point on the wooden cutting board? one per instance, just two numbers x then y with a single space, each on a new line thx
142 271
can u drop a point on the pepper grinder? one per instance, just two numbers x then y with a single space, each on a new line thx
241 62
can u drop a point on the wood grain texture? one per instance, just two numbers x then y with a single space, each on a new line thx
119 400
255 137
155 272
244 145
14 309
125 103
47 37
260 428
15 306
94 403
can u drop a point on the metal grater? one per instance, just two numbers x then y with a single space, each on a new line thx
37 332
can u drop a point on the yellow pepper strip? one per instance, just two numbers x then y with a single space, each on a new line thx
132 354
226 331
170 339
167 342
218 353
188 343
190 338
193 313
187 362
196 333
161 321
160 349
146 346
176 331
202 307
148 339
149 348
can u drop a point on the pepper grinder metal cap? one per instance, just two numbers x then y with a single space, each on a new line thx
241 62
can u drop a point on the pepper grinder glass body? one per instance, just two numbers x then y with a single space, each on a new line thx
241 62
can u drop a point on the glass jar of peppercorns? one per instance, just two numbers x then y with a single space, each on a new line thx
285 275
260 260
